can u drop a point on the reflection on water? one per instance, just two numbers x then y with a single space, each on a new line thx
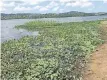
9 32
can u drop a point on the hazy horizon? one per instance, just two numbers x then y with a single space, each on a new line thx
50 12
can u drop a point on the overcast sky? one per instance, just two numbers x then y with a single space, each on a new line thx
52 6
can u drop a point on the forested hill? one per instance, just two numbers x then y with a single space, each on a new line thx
48 15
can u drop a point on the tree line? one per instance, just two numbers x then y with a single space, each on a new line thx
47 15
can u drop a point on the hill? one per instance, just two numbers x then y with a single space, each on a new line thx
48 15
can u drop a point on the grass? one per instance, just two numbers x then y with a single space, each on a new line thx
34 25
60 51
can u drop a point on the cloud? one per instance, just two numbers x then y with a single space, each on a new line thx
64 1
61 10
105 1
1 5
11 4
4 6
43 9
52 4
43 6
18 8
33 2
37 7
80 3
55 9
40 8
2 9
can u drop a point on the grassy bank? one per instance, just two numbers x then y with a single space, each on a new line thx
59 52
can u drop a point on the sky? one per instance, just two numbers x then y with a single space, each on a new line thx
52 6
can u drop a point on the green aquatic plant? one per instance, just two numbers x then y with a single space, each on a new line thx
38 25
60 51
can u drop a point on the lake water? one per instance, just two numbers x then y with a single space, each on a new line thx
8 31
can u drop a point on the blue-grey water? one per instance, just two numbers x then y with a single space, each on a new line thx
8 31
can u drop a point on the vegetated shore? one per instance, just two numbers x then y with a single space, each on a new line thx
59 52
97 66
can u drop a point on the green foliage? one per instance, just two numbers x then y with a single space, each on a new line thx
59 52
37 25
48 15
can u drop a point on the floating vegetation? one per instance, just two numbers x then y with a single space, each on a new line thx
60 51
34 25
